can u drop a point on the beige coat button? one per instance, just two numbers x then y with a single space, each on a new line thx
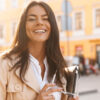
18 87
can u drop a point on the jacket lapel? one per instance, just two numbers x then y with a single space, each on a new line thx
30 78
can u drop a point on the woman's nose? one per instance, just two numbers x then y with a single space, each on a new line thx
39 22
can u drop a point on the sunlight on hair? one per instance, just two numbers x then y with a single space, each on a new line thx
70 69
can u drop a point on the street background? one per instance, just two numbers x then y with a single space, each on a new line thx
89 87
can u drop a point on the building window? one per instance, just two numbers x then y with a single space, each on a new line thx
96 20
14 3
1 31
78 20
2 4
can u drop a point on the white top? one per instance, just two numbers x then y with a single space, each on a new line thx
37 70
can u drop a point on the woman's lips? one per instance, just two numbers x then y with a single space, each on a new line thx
40 31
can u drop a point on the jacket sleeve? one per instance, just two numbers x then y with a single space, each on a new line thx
3 79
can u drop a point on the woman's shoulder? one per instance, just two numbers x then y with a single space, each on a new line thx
7 60
6 55
2 56
4 62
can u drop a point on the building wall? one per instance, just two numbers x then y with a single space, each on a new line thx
9 15
89 39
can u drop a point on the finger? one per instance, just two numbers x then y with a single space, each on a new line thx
49 97
53 90
76 98
48 85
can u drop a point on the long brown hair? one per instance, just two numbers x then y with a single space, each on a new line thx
54 57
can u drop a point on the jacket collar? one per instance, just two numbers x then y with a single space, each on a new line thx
30 79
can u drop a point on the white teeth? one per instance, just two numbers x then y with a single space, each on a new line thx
39 31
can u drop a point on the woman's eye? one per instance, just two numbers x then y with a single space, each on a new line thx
45 18
31 19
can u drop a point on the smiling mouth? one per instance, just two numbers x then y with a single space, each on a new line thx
40 31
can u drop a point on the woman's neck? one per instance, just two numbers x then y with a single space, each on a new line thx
37 50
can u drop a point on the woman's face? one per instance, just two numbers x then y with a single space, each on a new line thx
37 24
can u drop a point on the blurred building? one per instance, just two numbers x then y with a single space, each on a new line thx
79 25
78 21
83 37
9 13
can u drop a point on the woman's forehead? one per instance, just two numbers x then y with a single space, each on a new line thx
37 10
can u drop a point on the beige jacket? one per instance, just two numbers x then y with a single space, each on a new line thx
12 88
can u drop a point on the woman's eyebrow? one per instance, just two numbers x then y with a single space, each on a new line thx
33 15
45 15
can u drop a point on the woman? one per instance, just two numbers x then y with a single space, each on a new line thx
27 69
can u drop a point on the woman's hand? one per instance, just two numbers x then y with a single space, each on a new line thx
46 92
74 98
